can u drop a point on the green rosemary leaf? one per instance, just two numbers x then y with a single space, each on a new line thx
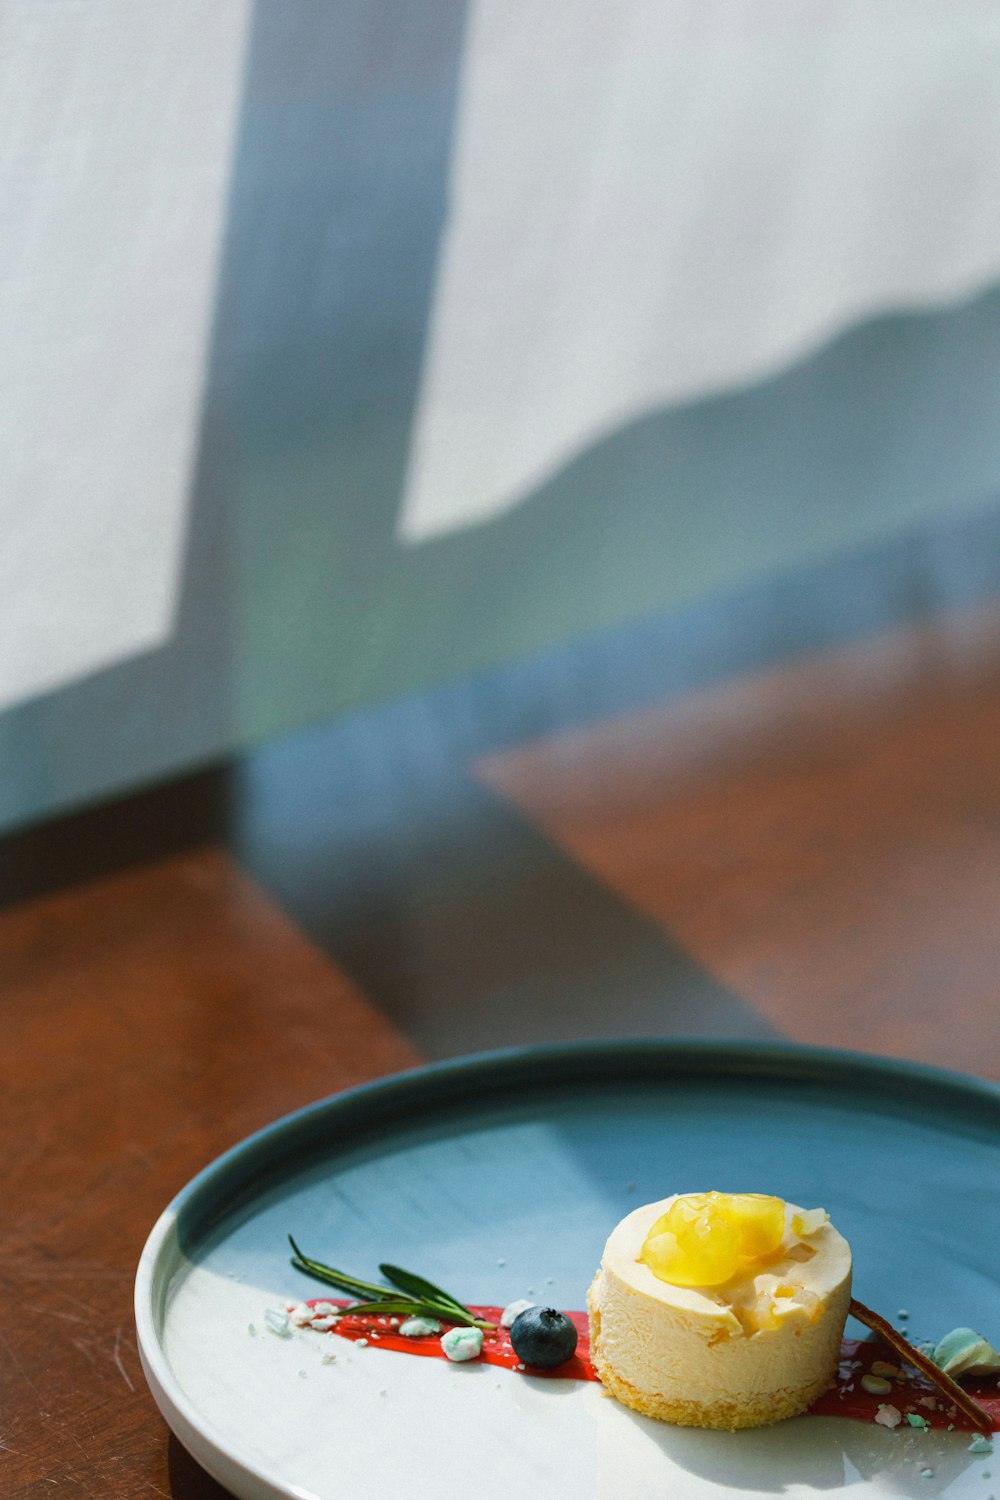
408 1294
443 1313
386 1306
342 1283
417 1286
353 1285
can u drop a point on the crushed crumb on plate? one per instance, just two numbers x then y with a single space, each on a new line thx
277 1322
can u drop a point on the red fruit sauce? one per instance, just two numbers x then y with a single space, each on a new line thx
912 1394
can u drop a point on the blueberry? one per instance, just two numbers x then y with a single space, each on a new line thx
543 1337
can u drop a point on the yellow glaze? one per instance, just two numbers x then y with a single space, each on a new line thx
705 1239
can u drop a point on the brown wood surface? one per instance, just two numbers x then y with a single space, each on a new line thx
824 836
822 839
150 1021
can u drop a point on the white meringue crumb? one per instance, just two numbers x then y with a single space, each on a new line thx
514 1309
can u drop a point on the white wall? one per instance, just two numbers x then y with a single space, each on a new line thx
119 120
651 202
347 348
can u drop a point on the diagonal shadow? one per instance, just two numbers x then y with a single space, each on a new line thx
466 926
336 206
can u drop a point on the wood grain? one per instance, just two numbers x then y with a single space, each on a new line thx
149 1021
824 837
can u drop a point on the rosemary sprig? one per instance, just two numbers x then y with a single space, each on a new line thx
409 1294
401 1305
352 1285
417 1286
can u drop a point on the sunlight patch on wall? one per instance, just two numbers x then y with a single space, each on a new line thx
651 204
120 119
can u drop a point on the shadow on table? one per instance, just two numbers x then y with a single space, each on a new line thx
188 1480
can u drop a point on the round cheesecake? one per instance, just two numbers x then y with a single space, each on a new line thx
754 1350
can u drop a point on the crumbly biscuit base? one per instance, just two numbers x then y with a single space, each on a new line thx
727 1416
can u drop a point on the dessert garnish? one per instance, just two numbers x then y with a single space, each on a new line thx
461 1344
704 1239
963 1351
513 1309
923 1363
543 1337
408 1315
407 1294
419 1328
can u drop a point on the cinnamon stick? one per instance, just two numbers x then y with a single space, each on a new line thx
944 1382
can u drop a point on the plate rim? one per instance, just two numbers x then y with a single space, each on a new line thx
451 1078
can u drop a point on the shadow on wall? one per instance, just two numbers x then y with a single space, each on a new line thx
298 602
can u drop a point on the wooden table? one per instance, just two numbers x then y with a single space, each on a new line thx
822 836
151 1020
808 851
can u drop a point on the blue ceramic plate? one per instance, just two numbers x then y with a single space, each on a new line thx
500 1176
